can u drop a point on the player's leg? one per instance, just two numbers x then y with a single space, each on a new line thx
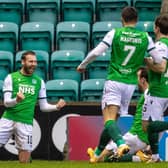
6 130
24 141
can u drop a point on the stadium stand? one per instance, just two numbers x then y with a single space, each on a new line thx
8 36
147 9
6 63
64 64
1 94
73 36
78 10
98 68
99 29
43 10
110 10
12 11
37 36
62 88
91 90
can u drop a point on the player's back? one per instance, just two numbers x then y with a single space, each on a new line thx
128 50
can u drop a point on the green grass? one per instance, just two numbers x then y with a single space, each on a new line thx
78 164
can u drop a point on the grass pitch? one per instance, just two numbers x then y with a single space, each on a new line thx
78 164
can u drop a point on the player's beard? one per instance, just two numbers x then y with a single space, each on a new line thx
29 70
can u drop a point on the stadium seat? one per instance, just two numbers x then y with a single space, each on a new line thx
136 95
1 92
99 67
8 36
73 36
101 28
146 26
91 90
62 88
43 63
64 64
37 36
43 10
6 63
12 11
147 9
110 10
78 10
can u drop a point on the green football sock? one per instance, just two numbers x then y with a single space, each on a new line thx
104 139
154 128
115 133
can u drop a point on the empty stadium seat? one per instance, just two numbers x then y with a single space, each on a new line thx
146 26
78 10
136 95
64 64
6 63
73 36
1 92
37 36
147 9
99 67
101 28
110 10
12 11
62 88
43 10
91 90
8 36
43 63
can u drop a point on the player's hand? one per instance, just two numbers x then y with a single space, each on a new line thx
20 96
81 70
61 103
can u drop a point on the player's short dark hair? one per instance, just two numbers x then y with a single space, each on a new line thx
143 73
162 22
24 54
129 13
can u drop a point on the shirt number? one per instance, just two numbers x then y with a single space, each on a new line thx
131 50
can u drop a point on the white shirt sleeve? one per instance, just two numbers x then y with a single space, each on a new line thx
154 51
44 105
7 89
99 49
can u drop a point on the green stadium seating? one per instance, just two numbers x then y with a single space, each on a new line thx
37 36
110 10
136 95
147 9
62 88
99 67
1 92
78 10
43 10
146 26
101 28
12 11
6 63
91 90
64 64
73 36
43 63
8 36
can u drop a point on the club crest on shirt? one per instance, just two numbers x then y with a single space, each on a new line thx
34 81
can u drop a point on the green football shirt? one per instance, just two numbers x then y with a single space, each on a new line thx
128 51
136 128
30 87
158 82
